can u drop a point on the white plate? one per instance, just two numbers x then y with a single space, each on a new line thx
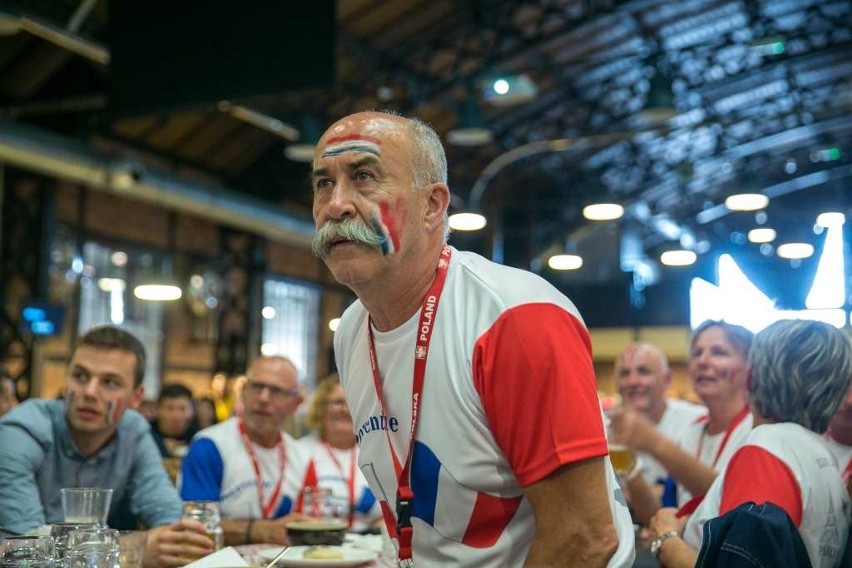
293 557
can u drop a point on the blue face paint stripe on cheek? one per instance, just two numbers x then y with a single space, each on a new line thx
380 230
69 401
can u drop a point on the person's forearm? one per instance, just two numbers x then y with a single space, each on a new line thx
150 558
234 532
675 553
644 502
554 548
686 469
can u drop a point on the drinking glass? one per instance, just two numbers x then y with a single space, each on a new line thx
132 548
93 548
317 502
85 504
27 552
60 532
206 513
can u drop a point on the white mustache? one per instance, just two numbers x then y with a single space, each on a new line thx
348 229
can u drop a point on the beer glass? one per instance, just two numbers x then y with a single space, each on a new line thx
85 504
27 552
93 548
206 513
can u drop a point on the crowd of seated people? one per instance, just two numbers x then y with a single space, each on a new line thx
772 403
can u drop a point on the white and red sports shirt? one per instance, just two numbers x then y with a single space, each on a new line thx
679 414
789 466
712 450
509 397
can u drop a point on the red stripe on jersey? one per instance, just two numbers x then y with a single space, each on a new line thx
490 517
755 474
533 371
310 480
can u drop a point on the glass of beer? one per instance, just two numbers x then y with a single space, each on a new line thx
623 460
206 513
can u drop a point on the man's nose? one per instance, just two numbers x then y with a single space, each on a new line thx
341 204
92 388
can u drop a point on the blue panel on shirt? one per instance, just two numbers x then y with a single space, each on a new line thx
202 472
425 468
284 507
367 502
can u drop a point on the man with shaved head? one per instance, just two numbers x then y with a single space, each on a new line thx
470 384
642 378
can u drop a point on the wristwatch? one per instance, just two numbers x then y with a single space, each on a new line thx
657 543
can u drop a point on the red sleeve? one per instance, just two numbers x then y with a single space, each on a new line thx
533 371
754 474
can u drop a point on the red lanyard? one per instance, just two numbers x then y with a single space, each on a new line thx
728 431
350 481
268 508
428 312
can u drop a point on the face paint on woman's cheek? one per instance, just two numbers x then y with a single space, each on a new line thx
391 225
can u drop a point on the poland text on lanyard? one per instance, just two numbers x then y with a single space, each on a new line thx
404 494
266 509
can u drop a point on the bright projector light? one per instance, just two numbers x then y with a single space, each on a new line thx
678 257
603 211
746 202
795 250
761 235
565 262
830 219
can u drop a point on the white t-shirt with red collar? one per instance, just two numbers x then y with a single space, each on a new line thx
790 466
509 397
713 450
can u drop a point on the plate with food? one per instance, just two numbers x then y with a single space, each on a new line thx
321 555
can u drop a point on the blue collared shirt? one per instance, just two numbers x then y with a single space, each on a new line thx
38 457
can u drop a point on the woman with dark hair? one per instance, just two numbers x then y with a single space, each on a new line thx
799 373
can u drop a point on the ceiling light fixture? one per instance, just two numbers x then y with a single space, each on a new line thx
746 201
310 132
830 219
470 129
467 221
678 257
761 235
565 262
603 211
795 251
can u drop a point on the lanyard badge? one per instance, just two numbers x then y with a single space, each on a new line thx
404 494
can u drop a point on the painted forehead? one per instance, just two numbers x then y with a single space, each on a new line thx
360 134
633 352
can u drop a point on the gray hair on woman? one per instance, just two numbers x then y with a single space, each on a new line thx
800 371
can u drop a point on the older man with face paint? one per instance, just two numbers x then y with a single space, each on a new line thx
94 438
470 384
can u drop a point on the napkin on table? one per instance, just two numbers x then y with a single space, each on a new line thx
219 559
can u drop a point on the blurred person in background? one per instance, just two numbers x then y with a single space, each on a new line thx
799 373
148 409
94 437
839 438
642 379
718 372
221 388
8 392
333 456
174 425
246 463
205 412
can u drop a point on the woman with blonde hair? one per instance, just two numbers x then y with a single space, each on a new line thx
333 456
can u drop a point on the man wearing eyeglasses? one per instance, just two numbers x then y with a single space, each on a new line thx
247 462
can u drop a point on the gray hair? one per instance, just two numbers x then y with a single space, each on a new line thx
428 158
739 336
800 372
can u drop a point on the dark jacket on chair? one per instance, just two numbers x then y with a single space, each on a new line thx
752 536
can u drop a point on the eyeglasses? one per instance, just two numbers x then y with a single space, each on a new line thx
276 393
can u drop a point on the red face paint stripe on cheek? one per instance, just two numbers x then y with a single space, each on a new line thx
352 137
390 223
